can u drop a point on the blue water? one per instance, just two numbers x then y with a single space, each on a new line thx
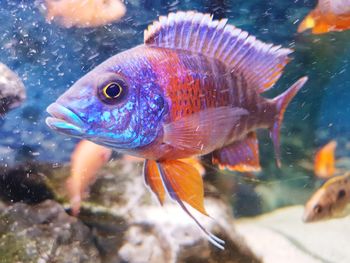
49 58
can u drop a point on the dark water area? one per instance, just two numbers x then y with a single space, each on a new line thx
49 58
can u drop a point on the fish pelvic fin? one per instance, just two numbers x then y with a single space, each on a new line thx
241 156
153 180
281 103
261 64
184 184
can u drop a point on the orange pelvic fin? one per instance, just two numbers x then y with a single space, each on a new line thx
153 180
184 184
242 156
324 164
281 103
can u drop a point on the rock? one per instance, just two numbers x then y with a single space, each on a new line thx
25 183
125 223
12 91
44 233
281 236
129 225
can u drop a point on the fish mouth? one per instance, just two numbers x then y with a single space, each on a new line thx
64 120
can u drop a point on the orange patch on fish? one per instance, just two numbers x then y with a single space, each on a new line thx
84 13
324 164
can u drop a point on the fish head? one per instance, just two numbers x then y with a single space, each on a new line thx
328 202
114 105
317 208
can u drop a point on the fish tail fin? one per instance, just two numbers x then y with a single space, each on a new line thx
281 103
51 8
183 183
307 23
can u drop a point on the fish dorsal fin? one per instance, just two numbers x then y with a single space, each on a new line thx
260 63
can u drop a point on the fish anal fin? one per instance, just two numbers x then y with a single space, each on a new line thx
183 181
198 131
260 63
242 156
153 180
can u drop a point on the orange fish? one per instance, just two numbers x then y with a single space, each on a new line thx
324 165
87 158
330 201
329 15
84 13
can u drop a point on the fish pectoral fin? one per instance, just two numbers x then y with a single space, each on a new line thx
184 184
198 131
153 180
242 156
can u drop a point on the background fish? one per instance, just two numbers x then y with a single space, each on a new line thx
330 201
87 158
324 164
192 88
84 13
329 15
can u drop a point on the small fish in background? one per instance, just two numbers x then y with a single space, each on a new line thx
324 163
84 13
332 200
12 90
329 15
193 88
86 159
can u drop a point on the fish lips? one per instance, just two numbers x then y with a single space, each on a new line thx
64 120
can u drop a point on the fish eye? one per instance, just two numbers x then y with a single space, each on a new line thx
318 209
112 92
341 194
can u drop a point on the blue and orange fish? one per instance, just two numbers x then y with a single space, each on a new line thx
192 88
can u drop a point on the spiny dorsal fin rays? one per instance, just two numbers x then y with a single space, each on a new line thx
261 64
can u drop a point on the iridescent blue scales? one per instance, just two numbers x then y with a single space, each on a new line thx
192 88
